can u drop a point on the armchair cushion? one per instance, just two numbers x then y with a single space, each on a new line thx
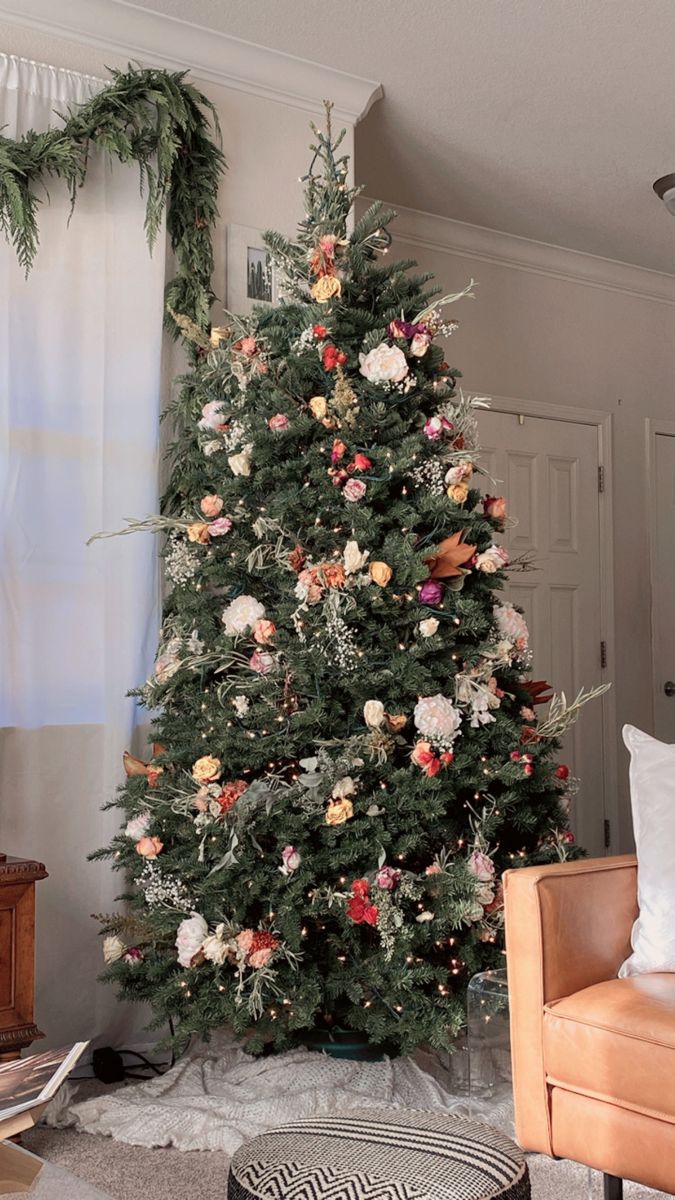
615 1041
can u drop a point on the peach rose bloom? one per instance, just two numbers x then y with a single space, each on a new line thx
260 958
244 940
496 508
248 346
380 573
325 288
333 574
339 811
458 492
198 532
149 847
211 506
264 631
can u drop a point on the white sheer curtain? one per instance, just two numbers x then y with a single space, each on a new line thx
80 347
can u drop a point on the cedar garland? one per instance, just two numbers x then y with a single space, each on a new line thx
157 120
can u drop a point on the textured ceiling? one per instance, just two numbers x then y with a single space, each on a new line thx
544 118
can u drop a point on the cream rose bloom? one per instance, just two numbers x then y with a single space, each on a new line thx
206 769
215 948
373 713
241 614
384 364
240 464
190 938
428 627
113 948
318 407
353 558
344 787
437 718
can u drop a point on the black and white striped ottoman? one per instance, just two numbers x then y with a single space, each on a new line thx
379 1154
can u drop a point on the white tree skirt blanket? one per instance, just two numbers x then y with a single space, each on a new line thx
217 1096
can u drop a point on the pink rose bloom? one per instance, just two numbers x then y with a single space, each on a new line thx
261 662
278 422
495 507
220 526
434 869
327 243
387 878
211 506
264 631
481 866
248 346
354 489
244 940
260 958
435 426
291 859
137 827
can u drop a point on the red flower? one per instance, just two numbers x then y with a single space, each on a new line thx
231 793
331 357
562 772
361 887
263 940
362 463
360 912
319 331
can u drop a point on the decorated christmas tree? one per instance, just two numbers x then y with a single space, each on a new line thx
347 754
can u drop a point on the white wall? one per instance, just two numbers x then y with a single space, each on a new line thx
266 146
564 328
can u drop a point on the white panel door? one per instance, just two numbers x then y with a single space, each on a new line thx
663 587
548 472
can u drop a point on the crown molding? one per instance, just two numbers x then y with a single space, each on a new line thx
443 234
128 29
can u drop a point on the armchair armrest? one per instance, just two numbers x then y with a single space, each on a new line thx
568 926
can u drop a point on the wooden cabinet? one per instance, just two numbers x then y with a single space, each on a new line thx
18 877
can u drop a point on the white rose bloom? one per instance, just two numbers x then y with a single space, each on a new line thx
354 559
137 827
343 788
190 938
437 718
240 464
212 415
241 705
428 627
113 948
373 713
210 448
384 364
425 916
241 614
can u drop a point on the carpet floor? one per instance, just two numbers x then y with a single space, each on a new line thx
125 1172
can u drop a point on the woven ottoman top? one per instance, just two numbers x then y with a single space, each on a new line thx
379 1154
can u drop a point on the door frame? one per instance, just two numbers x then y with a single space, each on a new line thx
654 427
601 421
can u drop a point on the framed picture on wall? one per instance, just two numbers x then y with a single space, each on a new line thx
250 273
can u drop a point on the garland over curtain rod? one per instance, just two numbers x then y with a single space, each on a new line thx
151 117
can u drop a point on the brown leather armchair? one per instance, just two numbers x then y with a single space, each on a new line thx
593 1055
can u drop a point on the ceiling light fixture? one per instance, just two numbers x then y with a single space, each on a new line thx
665 190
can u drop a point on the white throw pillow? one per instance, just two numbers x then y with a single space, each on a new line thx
652 795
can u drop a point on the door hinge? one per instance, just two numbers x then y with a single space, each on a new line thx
608 834
601 479
603 654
